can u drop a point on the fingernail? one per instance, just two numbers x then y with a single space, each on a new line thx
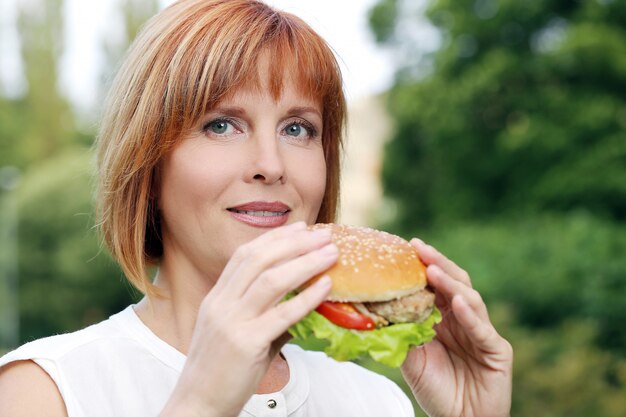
329 250
426 248
323 282
434 269
417 240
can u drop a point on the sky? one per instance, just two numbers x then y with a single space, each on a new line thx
367 68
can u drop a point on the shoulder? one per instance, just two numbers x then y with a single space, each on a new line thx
27 390
31 377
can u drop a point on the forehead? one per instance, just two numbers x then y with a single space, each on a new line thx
277 84
271 54
281 80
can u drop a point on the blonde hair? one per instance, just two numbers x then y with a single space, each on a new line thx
184 61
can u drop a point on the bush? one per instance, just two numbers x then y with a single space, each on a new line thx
549 269
67 280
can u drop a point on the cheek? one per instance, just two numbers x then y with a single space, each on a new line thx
190 179
320 179
309 176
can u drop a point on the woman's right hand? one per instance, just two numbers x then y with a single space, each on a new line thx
242 324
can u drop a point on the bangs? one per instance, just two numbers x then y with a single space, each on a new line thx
222 52
286 59
184 61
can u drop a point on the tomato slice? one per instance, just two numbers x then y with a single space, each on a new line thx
345 315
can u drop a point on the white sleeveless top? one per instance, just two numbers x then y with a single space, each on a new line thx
120 368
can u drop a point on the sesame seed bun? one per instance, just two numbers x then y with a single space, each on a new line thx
372 265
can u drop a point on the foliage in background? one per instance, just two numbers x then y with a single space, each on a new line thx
561 372
523 110
509 155
550 269
517 139
67 280
40 123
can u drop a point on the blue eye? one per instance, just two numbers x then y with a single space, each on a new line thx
219 127
300 130
294 129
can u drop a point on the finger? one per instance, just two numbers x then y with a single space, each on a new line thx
273 284
266 238
429 255
259 255
280 318
448 287
479 330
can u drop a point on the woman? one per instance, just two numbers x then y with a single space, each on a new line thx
219 143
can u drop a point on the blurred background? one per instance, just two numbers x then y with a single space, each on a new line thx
493 129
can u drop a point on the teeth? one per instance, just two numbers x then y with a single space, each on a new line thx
261 213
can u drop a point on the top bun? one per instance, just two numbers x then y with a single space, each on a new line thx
372 265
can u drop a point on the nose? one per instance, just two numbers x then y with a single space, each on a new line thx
267 164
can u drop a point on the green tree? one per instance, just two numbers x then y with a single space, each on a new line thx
509 155
522 114
523 109
548 269
561 373
67 279
40 123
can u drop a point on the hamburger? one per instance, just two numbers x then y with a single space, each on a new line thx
379 305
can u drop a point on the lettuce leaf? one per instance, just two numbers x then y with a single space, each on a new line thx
388 345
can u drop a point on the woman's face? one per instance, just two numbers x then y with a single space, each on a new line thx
251 164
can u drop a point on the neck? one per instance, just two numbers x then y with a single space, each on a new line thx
173 317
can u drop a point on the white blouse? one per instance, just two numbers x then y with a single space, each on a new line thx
120 368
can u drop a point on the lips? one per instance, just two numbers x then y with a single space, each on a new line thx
261 213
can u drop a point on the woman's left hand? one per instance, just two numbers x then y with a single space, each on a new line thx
467 369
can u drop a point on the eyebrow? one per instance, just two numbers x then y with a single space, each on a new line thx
294 111
239 111
230 111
